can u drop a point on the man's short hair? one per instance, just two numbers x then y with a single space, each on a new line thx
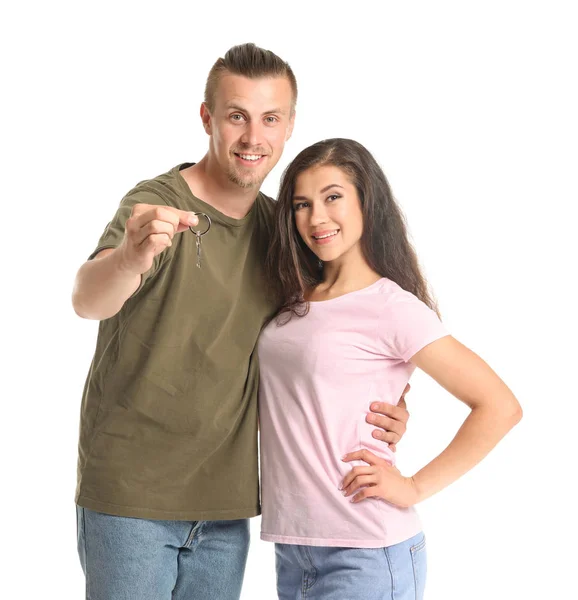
250 61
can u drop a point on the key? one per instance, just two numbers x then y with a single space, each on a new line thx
199 251
199 235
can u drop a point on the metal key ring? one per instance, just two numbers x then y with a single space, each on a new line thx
201 233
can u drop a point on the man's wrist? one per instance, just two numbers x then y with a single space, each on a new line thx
122 265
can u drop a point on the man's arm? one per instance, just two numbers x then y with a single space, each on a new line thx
104 284
390 419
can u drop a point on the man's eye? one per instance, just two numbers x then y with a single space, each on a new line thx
236 117
271 119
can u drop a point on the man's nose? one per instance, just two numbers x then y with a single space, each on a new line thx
252 134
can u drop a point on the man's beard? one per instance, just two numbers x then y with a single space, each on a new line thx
245 182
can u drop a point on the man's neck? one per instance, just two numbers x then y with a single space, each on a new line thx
214 188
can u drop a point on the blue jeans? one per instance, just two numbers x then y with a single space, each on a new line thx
321 573
140 559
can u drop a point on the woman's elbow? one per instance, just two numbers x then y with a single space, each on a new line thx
511 412
517 413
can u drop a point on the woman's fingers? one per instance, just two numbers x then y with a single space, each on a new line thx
356 471
360 481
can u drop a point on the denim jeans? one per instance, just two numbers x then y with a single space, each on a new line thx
321 573
139 559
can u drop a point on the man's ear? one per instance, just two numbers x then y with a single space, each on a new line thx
290 127
206 119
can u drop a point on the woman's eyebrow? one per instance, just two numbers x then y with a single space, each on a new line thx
327 187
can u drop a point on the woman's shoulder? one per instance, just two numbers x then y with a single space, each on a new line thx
394 300
393 292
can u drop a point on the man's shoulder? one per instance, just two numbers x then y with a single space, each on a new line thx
166 187
268 199
267 205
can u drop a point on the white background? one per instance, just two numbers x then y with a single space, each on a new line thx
471 109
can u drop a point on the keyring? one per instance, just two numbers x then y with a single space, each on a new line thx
200 233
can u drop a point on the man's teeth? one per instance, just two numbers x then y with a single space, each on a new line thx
250 156
322 237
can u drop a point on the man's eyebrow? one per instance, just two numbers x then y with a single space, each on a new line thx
327 187
234 106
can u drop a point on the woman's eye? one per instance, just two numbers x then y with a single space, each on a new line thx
333 197
300 205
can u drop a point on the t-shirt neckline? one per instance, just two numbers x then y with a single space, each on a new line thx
349 294
216 215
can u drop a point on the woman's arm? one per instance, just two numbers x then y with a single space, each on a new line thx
494 411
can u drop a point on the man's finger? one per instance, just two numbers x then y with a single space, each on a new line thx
154 228
156 243
398 413
386 436
186 218
387 423
148 212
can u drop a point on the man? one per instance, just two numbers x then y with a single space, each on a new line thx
167 473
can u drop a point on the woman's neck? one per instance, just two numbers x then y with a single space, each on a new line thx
347 274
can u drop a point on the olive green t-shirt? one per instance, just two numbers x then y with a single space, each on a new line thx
168 425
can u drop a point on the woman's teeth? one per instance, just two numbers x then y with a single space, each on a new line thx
322 237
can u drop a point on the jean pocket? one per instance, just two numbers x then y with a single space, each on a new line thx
419 563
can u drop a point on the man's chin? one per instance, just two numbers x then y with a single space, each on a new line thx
246 181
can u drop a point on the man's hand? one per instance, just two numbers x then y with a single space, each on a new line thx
392 420
150 230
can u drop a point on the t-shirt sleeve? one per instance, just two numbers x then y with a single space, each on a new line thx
407 325
114 232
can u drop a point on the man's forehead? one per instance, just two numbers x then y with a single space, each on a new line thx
243 92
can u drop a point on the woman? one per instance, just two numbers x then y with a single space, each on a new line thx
356 319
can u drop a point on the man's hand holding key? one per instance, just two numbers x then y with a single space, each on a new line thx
150 230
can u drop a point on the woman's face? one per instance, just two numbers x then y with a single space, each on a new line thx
328 212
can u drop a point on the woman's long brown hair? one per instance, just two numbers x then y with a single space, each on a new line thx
292 268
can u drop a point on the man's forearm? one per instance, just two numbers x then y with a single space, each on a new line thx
102 286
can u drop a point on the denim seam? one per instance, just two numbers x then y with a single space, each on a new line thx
191 536
385 551
304 585
85 542
414 573
313 569
413 551
417 547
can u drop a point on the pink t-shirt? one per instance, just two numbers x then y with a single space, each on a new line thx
319 374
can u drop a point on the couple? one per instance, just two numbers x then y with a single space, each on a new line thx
167 471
